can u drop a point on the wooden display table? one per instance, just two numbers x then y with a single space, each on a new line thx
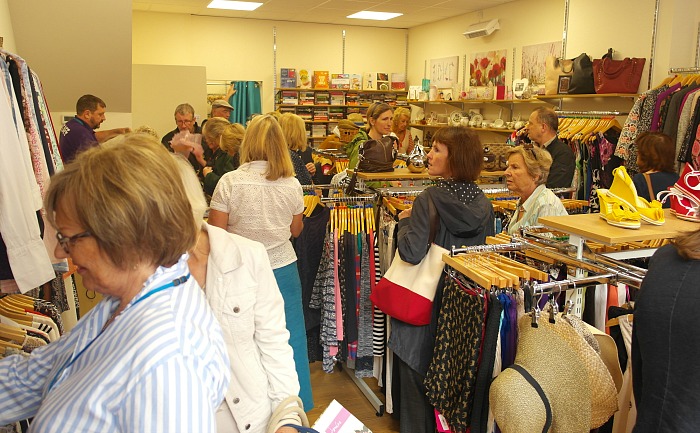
592 226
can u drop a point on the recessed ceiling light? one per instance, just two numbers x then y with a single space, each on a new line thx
379 16
234 5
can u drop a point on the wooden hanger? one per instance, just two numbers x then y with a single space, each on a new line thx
469 272
11 333
615 321
6 344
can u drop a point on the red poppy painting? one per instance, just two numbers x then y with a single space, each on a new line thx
488 67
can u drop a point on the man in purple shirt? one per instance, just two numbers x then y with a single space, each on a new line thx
79 133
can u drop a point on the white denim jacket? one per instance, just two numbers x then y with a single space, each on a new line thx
242 291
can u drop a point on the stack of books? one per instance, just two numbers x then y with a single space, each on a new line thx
337 98
320 114
290 97
306 113
336 113
306 98
323 98
318 131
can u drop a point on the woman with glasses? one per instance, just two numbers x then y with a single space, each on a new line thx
263 201
526 176
150 356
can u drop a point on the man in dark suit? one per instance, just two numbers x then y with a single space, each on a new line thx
542 129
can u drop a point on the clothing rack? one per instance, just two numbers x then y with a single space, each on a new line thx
574 283
506 190
319 186
690 70
331 153
352 199
496 248
591 113
397 192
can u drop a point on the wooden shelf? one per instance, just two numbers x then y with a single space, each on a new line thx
588 96
476 101
592 226
298 89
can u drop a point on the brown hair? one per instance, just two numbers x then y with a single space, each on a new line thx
88 102
655 151
264 141
537 161
228 135
688 245
128 194
374 111
548 117
294 130
465 154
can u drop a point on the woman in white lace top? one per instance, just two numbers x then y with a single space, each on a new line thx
263 201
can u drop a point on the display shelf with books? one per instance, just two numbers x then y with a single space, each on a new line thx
324 108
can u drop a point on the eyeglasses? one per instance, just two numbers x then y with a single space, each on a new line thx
68 241
184 122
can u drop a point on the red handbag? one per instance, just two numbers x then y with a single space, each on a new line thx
617 76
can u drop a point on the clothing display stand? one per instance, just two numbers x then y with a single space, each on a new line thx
591 226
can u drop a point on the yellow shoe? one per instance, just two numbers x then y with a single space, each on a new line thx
616 212
624 190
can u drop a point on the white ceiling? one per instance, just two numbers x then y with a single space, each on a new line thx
415 12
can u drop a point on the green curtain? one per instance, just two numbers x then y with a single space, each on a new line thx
245 101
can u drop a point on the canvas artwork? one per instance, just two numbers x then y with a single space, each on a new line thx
534 56
488 67
443 72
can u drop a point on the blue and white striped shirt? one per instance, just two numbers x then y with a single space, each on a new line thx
161 366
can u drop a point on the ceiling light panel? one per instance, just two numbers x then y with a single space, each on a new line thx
233 5
378 16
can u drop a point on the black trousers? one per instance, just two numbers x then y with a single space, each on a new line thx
416 414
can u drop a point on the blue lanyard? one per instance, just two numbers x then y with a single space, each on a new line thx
69 362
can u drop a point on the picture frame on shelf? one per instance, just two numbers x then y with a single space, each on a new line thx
563 85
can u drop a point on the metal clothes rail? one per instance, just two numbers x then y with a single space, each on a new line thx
591 113
684 70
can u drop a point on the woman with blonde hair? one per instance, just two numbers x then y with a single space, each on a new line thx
262 201
223 139
526 176
399 126
294 130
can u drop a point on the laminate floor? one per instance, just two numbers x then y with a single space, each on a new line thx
339 386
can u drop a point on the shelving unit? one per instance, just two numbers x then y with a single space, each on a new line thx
331 105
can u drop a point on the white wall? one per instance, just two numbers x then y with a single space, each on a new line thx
594 26
6 31
77 47
159 89
240 49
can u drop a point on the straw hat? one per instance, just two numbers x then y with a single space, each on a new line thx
603 391
347 124
608 353
357 119
549 358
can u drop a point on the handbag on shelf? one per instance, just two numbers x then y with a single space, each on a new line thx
582 78
554 69
617 76
406 291
579 70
